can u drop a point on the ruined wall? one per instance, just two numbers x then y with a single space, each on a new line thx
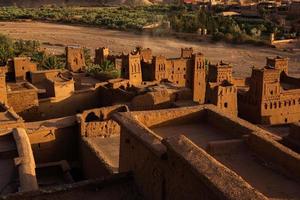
102 129
97 123
75 59
101 54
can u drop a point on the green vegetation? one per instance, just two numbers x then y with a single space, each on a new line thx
30 48
46 61
181 19
104 71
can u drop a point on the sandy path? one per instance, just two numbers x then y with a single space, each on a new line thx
243 57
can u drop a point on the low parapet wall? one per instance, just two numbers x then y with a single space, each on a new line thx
286 160
175 168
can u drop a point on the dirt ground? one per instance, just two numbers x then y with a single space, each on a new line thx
242 57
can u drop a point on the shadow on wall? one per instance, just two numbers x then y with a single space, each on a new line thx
55 108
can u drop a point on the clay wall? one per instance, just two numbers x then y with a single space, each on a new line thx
181 72
152 100
152 118
132 69
75 59
21 66
285 159
198 78
24 102
219 73
227 123
54 140
146 54
278 63
40 76
97 122
55 108
161 68
110 96
3 91
186 52
224 97
240 82
101 54
63 89
93 164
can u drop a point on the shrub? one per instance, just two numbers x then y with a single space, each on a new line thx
103 72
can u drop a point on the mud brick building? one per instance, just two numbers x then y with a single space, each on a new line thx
273 96
221 90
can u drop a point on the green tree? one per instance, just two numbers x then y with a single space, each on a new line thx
6 49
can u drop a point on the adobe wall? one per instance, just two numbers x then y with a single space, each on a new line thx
75 59
54 140
228 123
40 76
25 161
175 168
152 118
54 107
92 161
110 96
284 158
63 89
3 90
152 100
22 65
24 102
224 97
97 122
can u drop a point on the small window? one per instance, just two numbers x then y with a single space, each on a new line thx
225 105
